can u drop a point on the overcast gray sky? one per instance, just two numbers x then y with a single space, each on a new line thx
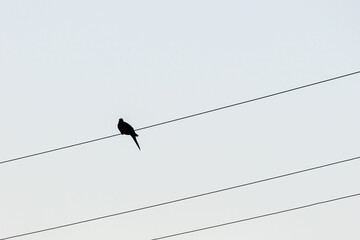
70 69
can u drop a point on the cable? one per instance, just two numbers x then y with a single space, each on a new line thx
183 199
258 216
57 149
188 116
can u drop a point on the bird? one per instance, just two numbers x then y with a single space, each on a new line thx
127 129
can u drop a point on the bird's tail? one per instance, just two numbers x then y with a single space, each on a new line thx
134 137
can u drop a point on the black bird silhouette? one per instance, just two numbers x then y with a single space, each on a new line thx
127 129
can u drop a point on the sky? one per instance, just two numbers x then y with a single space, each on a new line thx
70 69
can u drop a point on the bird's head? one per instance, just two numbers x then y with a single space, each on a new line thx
121 120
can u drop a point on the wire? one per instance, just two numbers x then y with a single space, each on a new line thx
57 149
183 199
259 216
185 117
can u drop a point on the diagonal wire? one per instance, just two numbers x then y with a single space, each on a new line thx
185 117
258 216
57 149
183 199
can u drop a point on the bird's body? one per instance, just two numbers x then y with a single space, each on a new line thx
127 129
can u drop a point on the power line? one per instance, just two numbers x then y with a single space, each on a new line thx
183 199
57 149
258 216
185 117
252 100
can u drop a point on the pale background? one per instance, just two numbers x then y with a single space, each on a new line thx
70 69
